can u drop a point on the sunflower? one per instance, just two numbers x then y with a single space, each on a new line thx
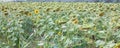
113 20
29 14
26 12
21 12
94 28
84 28
9 19
39 17
117 45
17 14
112 8
36 11
100 5
48 9
75 21
101 14
58 9
59 33
2 9
5 10
5 13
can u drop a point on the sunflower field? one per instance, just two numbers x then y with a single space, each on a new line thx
59 25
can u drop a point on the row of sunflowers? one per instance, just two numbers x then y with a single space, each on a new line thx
59 25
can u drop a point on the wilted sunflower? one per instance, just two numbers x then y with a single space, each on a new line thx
21 12
48 9
29 14
58 9
9 19
100 5
26 12
36 11
101 14
2 9
117 45
75 21
94 28
18 15
5 13
116 28
39 17
59 33
84 29
113 8
5 10
113 20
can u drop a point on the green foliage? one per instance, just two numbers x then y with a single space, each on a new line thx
59 25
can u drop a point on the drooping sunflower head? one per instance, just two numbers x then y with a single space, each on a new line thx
59 33
6 14
48 9
29 14
26 12
36 11
101 14
75 21
117 45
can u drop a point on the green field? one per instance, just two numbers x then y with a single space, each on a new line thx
59 25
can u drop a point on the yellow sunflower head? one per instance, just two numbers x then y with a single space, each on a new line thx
36 11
